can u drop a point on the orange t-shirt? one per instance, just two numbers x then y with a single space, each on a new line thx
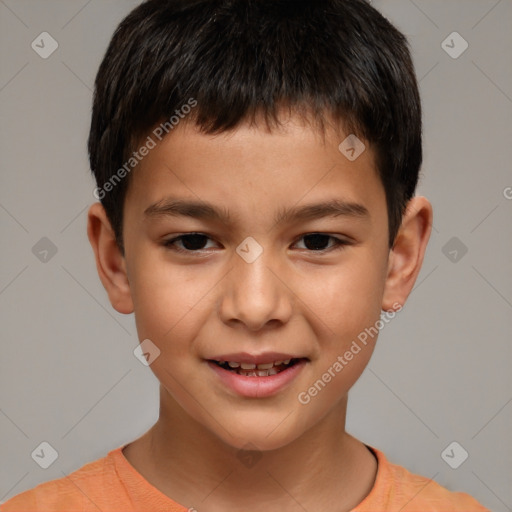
112 484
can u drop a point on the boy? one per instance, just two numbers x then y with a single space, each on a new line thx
284 138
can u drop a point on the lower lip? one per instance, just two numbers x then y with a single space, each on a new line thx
258 387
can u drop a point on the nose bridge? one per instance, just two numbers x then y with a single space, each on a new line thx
253 294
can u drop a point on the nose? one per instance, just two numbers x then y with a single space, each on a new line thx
255 294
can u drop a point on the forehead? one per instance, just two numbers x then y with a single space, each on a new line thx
252 169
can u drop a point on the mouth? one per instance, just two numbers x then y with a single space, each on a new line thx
257 370
257 376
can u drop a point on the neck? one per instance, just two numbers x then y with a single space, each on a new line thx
325 468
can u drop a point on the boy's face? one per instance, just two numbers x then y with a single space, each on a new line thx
302 297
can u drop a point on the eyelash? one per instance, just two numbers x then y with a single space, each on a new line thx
170 244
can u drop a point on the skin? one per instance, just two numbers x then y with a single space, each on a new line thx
291 299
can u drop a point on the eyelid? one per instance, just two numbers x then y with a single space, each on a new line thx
169 243
339 243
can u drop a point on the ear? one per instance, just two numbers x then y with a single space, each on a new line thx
406 256
110 262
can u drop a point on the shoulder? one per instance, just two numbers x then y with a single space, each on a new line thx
85 489
418 493
396 488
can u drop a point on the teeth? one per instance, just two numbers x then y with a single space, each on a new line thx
267 373
261 370
259 373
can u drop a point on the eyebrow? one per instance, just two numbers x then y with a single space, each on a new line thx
206 211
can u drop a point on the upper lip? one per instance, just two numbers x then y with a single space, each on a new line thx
245 357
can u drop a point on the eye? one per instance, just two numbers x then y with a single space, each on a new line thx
195 242
316 242
191 242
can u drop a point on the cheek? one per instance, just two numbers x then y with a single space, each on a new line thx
347 299
166 302
168 314
348 303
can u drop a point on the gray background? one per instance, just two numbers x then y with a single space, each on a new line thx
441 370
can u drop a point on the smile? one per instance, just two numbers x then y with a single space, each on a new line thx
257 380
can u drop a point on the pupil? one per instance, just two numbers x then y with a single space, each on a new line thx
317 240
193 242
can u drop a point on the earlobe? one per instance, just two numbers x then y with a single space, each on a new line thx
406 256
110 262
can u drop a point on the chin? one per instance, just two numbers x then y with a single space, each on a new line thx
260 435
